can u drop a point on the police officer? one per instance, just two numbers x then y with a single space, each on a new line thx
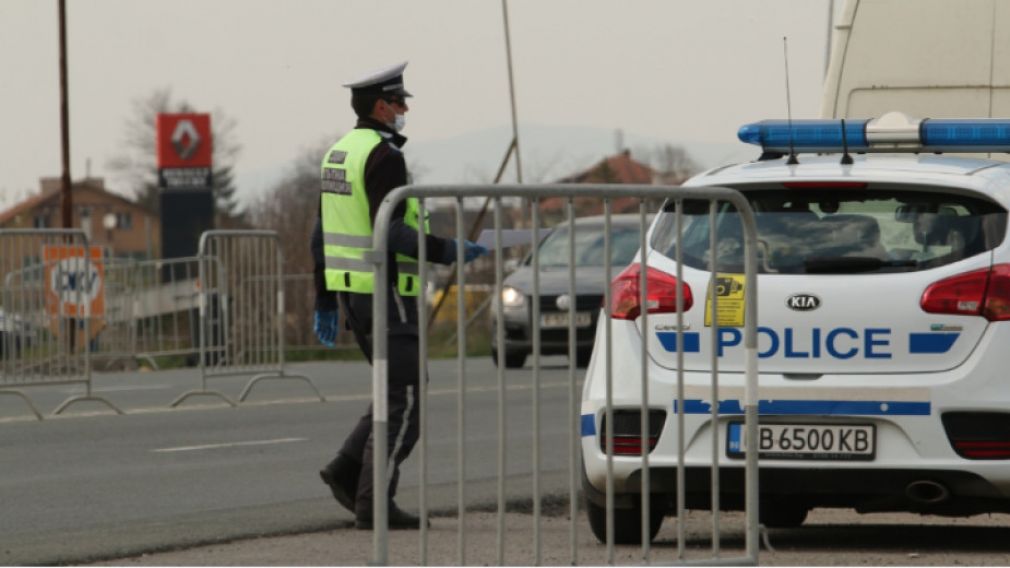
357 173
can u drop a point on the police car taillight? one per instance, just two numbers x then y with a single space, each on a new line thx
661 288
983 293
628 445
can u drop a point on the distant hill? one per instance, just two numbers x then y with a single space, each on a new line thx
548 153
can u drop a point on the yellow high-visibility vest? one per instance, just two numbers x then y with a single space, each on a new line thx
346 220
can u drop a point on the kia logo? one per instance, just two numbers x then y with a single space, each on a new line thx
803 302
563 302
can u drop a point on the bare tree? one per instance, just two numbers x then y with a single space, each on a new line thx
137 164
672 163
291 206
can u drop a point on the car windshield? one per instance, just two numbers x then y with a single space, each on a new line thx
825 230
589 246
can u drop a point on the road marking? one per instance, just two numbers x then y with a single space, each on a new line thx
230 445
126 388
254 404
122 388
433 392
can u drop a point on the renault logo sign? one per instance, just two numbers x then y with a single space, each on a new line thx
185 145
185 139
803 302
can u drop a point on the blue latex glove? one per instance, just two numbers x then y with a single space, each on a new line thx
326 325
471 251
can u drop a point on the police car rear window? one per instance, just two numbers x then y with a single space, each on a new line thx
830 231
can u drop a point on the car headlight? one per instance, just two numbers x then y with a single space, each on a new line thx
512 298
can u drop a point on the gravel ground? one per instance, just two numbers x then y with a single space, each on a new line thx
830 537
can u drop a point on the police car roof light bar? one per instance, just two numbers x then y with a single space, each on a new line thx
892 132
846 157
805 135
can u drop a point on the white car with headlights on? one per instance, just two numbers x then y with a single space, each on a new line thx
883 326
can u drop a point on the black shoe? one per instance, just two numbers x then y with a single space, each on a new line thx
398 519
341 475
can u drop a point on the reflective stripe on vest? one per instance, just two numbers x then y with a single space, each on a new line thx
342 240
346 219
403 267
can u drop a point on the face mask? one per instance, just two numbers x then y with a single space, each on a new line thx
399 122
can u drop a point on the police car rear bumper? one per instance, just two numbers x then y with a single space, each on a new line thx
956 493
905 410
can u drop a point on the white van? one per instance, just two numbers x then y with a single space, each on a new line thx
926 58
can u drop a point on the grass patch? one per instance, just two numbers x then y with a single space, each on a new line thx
442 342
339 353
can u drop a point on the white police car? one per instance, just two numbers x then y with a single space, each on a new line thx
883 338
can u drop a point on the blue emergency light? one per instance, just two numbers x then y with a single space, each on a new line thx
892 132
805 135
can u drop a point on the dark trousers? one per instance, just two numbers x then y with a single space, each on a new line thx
404 413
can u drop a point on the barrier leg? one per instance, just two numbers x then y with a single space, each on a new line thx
252 382
188 394
27 400
86 398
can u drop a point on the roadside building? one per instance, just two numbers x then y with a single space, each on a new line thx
109 220
619 168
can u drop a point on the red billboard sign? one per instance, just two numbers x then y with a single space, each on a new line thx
184 140
185 147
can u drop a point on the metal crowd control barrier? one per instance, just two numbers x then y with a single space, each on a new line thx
151 310
52 301
606 193
241 304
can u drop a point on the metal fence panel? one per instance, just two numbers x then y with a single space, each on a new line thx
51 306
534 194
241 310
151 311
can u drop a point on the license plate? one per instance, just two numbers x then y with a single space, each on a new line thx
560 319
806 441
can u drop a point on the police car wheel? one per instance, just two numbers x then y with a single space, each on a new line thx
627 522
782 514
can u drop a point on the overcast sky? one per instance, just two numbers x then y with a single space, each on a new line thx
685 71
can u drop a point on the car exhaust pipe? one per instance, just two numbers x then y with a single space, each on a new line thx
927 492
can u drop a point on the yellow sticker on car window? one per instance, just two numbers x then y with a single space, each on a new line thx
729 305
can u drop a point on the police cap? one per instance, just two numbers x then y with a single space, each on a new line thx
386 81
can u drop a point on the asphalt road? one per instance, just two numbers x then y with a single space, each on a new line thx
91 484
207 484
829 538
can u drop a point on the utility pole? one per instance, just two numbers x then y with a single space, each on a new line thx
511 89
66 197
831 27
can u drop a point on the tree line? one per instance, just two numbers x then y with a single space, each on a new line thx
290 205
